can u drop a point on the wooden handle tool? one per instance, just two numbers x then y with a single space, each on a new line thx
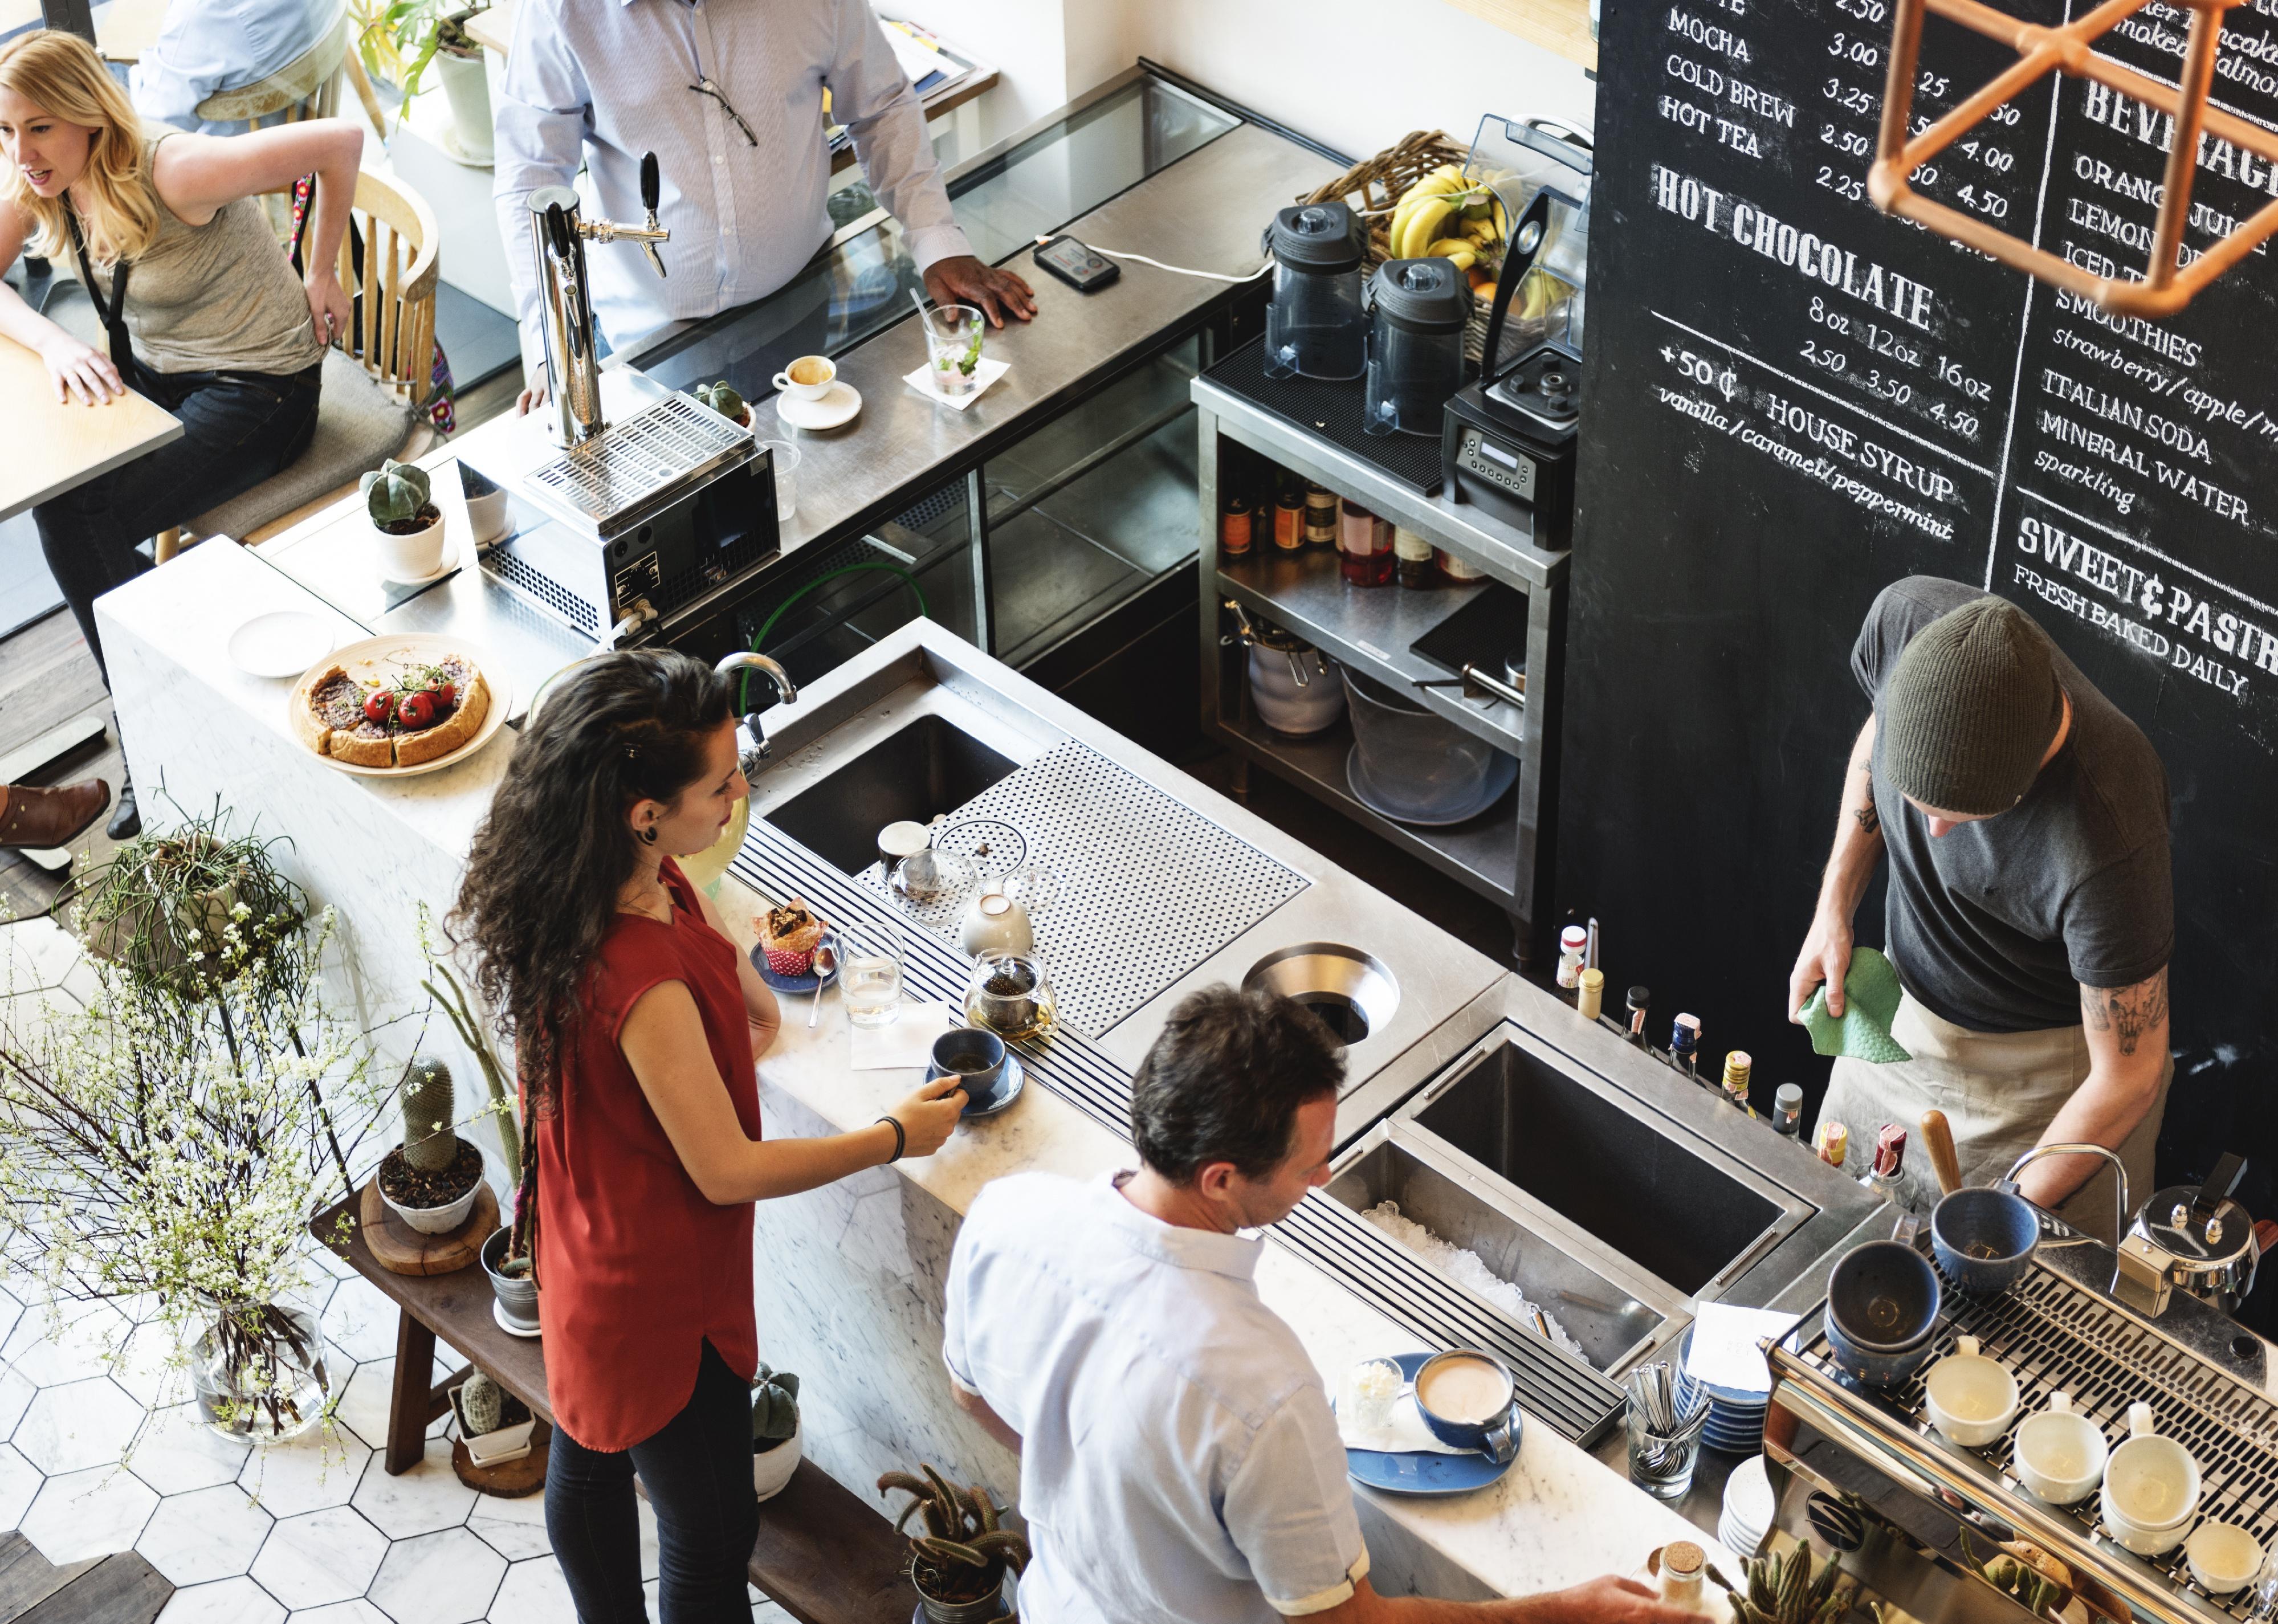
1937 1135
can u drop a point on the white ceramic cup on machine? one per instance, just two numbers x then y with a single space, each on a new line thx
1971 1398
2151 1488
2060 1454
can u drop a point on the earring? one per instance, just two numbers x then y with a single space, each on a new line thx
648 836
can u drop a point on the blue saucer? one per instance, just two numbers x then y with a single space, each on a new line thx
1421 1472
1013 1066
806 983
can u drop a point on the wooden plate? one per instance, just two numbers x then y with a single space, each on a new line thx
400 1249
378 658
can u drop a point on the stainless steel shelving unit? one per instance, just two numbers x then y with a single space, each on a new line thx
1505 854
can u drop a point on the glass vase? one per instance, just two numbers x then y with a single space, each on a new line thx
258 1371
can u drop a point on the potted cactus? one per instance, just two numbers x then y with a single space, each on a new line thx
429 1180
774 1431
959 1562
723 400
405 520
493 1423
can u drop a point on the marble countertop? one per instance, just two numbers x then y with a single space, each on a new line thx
1557 1518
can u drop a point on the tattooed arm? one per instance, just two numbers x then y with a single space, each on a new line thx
1826 954
2127 1056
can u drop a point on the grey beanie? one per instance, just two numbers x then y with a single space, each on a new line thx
1971 709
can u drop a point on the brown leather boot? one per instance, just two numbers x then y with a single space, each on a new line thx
38 817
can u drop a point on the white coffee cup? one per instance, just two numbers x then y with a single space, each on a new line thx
2223 1556
2151 1488
808 378
1971 1398
2060 1454
410 557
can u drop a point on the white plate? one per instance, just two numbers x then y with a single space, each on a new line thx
838 406
448 562
281 643
376 657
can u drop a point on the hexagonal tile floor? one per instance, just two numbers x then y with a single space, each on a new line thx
309 1532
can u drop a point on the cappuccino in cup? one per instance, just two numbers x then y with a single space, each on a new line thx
1469 1390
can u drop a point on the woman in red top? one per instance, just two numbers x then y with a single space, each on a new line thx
636 1022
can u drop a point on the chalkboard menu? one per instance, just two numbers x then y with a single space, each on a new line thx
1796 399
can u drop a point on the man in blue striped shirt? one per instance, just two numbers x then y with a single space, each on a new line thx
728 94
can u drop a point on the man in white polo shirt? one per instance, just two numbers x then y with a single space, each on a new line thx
1178 1460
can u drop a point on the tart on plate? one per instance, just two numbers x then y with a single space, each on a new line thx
391 713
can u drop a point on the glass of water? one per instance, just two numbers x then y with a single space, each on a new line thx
786 465
871 972
953 348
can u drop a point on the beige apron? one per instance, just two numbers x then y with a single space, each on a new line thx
1999 1090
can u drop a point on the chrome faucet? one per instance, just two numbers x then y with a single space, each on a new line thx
557 240
754 749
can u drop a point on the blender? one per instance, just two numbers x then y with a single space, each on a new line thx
1315 327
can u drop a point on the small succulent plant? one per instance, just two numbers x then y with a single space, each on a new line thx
775 1408
429 1143
1784 1590
965 1550
395 492
721 398
482 1402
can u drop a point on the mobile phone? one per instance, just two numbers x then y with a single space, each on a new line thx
1077 265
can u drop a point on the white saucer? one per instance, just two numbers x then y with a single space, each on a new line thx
507 1325
281 643
838 406
444 566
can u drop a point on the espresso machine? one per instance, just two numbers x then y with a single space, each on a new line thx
644 501
1930 1530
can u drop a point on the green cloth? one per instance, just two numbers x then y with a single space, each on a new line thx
1870 1001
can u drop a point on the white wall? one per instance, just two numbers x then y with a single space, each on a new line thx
1023 40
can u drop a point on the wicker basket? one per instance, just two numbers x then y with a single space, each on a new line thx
1372 187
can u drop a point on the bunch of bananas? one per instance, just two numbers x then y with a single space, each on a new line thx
1445 215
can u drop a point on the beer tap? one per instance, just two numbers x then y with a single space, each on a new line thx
558 237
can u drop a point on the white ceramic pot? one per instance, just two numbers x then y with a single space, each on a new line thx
471 104
413 557
996 924
435 1220
772 1469
508 1443
486 515
1284 706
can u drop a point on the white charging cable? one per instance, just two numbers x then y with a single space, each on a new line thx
1215 276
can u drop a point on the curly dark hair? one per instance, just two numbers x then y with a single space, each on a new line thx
555 851
1224 1080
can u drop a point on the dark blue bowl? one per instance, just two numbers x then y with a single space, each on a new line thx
1882 1308
1984 1238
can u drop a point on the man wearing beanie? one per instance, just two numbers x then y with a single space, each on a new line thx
2030 912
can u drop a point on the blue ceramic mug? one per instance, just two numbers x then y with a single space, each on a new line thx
1469 1400
1882 1309
977 1059
1984 1238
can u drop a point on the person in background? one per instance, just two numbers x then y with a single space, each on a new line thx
635 1023
203 311
2030 910
729 98
1197 1475
33 816
208 46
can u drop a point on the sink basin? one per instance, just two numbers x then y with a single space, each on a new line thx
1600 1315
1615 1174
929 767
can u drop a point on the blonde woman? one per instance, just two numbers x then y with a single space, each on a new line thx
201 308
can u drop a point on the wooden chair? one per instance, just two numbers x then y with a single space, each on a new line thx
376 376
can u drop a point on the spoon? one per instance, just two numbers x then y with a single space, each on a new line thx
826 965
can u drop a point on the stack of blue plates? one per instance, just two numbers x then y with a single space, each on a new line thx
1736 1421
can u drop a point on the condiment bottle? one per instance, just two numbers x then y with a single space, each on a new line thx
1364 546
1635 1002
1590 993
1834 1140
1457 567
1290 518
1411 557
1738 1066
1682 1563
1573 942
1685 1043
1234 527
1884 1175
1320 516
1787 1110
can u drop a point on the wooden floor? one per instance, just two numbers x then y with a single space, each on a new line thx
104 1590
